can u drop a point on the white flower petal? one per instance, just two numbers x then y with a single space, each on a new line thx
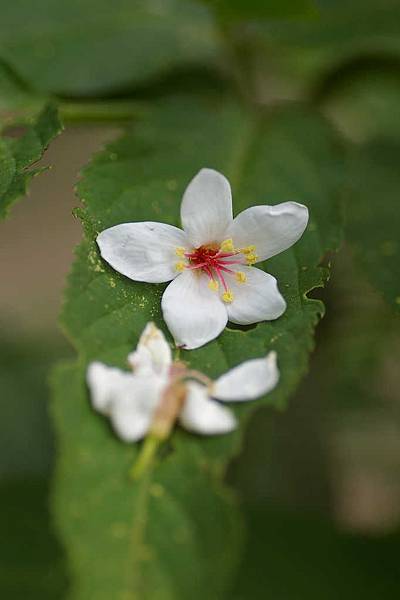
194 314
200 414
258 299
132 411
143 251
247 381
131 416
129 400
206 209
153 353
271 229
104 383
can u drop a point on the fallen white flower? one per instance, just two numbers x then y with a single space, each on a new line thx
210 261
161 391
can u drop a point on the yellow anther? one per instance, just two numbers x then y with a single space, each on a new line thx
180 251
249 250
251 259
179 266
213 285
227 246
227 296
240 277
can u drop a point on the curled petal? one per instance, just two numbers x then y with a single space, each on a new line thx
248 381
257 299
153 353
129 400
194 314
202 415
143 251
206 209
271 229
103 383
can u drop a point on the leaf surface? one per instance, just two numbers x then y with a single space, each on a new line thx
155 530
18 154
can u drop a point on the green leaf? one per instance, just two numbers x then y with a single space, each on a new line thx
31 557
294 557
18 154
300 52
374 214
32 561
14 95
363 101
145 537
170 535
84 48
340 422
258 9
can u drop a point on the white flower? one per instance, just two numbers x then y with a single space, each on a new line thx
159 391
210 261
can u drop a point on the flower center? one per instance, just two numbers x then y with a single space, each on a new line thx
216 261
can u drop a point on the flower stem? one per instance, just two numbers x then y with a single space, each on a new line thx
146 457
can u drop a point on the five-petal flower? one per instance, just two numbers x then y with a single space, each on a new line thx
159 391
210 261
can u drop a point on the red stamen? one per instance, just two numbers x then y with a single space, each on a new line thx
221 278
232 262
226 254
213 262
198 266
225 269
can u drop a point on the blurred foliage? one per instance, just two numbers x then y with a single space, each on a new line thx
31 558
21 148
32 563
374 215
290 473
305 51
101 62
257 9
363 99
292 556
82 48
14 95
353 382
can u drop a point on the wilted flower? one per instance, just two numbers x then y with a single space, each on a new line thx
210 261
160 391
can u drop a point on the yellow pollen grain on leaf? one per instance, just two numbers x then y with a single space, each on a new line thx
179 266
227 296
240 277
227 245
213 285
180 251
251 259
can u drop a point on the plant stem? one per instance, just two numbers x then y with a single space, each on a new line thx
146 457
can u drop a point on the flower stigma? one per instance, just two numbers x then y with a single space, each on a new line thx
216 261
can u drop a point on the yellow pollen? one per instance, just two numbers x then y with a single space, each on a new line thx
249 250
213 285
180 251
240 277
227 296
251 259
179 266
227 246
